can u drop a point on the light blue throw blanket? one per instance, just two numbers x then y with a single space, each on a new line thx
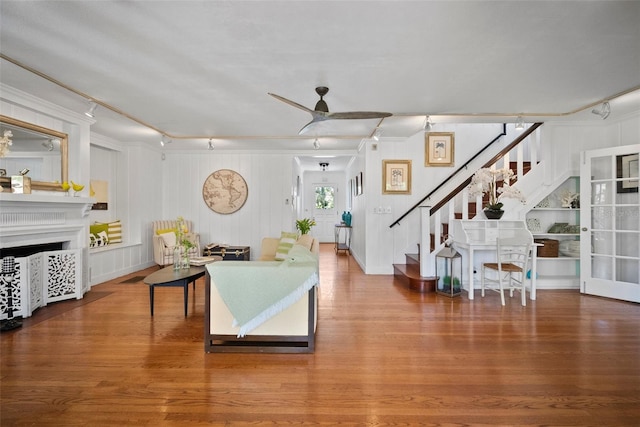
255 291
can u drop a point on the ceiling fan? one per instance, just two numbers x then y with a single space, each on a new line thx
321 111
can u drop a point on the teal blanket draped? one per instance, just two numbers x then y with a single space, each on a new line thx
255 291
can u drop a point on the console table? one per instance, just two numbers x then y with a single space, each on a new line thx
343 244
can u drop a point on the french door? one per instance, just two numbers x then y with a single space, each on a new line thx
610 223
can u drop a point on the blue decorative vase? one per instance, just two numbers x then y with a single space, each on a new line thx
344 217
347 219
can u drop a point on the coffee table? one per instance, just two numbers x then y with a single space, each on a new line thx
170 277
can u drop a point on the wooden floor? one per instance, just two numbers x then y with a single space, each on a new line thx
384 356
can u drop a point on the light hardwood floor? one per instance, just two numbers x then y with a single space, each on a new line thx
384 356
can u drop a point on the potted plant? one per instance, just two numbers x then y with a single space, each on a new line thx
304 225
486 180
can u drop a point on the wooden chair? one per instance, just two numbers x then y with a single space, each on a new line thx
510 270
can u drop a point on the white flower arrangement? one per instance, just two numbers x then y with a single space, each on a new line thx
485 181
5 142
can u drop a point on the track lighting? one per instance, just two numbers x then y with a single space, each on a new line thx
92 109
164 140
377 133
49 144
211 147
519 123
427 124
603 111
316 144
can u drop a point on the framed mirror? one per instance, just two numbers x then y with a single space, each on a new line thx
43 151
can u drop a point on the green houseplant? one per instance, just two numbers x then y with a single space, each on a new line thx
304 225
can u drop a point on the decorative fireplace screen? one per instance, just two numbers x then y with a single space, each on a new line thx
41 278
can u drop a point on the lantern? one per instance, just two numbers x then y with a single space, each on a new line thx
449 272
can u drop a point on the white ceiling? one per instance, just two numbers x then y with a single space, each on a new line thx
200 69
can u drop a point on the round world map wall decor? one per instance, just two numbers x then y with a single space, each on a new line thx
225 191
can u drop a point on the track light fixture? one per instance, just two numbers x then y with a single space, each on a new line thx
316 144
519 123
603 111
164 140
49 144
92 109
211 147
428 125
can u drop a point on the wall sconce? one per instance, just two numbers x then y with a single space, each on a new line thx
603 111
519 123
211 147
316 144
377 133
324 166
49 144
92 109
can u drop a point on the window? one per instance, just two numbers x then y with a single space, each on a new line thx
325 197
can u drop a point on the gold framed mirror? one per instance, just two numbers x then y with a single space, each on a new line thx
35 145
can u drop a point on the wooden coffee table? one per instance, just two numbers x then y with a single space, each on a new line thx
170 277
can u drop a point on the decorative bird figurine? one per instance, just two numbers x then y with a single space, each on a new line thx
65 186
76 188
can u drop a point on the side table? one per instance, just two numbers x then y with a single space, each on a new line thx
343 244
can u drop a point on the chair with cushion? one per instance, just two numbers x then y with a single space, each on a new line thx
510 270
164 241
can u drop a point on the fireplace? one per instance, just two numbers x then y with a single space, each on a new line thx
48 237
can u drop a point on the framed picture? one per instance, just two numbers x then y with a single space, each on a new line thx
360 188
356 184
627 167
439 148
396 177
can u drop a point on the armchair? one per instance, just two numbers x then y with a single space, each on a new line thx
162 252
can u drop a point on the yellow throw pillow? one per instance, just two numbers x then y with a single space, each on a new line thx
306 241
287 240
165 230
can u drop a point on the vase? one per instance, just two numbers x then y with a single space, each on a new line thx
184 263
493 213
177 263
347 219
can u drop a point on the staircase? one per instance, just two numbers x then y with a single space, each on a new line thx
409 273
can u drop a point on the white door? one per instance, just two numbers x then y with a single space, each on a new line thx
610 223
325 210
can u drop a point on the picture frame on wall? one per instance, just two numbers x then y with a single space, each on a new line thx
361 181
627 167
439 148
356 185
396 177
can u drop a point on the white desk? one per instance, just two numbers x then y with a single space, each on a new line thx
472 236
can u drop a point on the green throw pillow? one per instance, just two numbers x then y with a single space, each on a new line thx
287 240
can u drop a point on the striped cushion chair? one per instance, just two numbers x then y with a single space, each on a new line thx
163 245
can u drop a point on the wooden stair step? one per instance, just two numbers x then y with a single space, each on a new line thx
409 274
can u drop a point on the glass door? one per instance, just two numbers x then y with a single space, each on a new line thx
610 230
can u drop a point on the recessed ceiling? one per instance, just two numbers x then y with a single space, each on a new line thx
204 68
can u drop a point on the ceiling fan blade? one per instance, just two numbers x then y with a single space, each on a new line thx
318 116
358 115
294 104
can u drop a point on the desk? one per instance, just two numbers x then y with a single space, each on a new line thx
472 248
480 235
340 246
170 277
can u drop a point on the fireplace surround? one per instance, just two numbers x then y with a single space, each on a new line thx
48 236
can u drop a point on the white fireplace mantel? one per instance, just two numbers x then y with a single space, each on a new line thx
31 219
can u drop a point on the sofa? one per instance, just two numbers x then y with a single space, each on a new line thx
163 245
290 327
